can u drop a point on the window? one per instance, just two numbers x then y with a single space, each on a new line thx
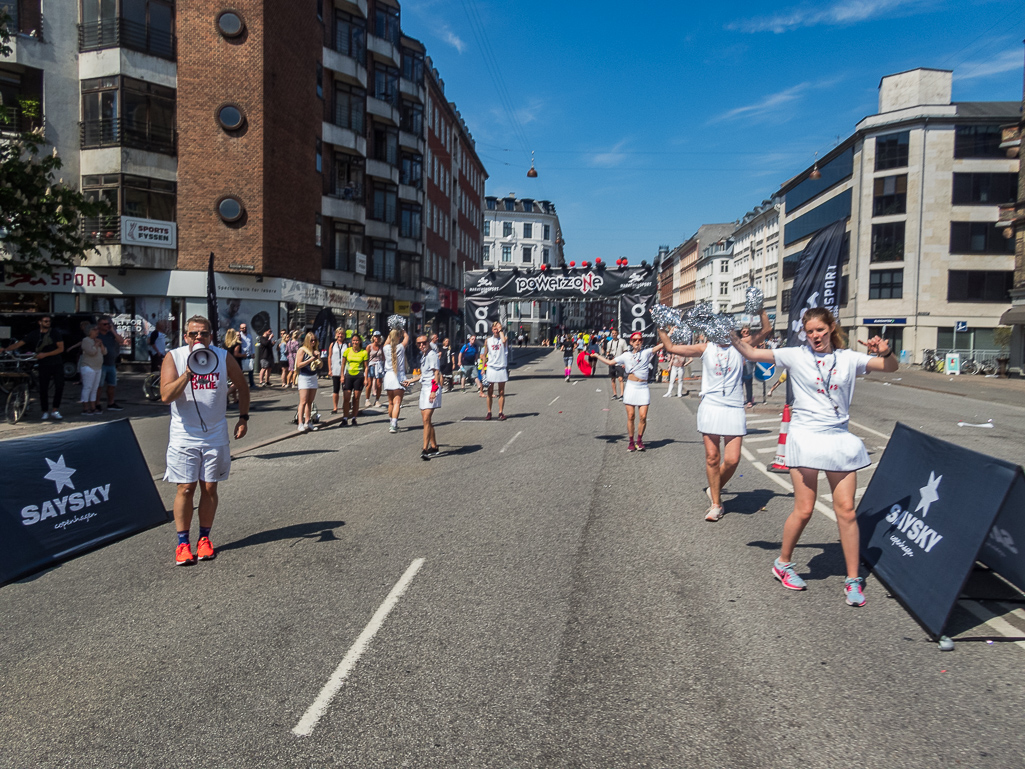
347 240
318 221
545 256
784 298
491 204
411 171
724 265
547 232
977 141
724 289
887 242
833 172
991 189
230 24
383 256
384 207
142 25
979 285
320 156
487 227
386 23
123 111
506 253
386 84
510 204
528 230
412 117
528 206
409 224
507 229
350 107
886 284
386 144
347 179
350 36
412 65
487 253
890 195
409 270
979 238
826 213
528 255
892 150
137 196
320 80
230 209
230 117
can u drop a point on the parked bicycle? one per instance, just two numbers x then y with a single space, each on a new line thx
151 386
930 362
18 378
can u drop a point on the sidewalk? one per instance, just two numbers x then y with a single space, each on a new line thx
1007 392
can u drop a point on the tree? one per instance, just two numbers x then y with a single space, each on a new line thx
39 215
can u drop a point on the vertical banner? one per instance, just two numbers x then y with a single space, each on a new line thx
71 491
211 301
480 314
635 315
928 514
818 278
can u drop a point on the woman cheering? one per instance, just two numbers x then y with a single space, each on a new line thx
395 374
636 396
822 374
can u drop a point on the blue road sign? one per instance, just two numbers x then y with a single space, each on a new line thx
961 326
764 371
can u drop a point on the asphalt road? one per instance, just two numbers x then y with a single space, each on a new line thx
571 608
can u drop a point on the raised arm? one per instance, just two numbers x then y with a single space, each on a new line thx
754 354
763 332
885 360
686 350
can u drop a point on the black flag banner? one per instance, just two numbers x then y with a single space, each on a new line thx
211 300
560 283
818 278
481 313
635 315
931 510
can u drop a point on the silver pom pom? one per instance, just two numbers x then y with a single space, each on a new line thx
664 317
681 335
754 300
720 329
699 316
396 321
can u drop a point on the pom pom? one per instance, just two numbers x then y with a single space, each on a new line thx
754 300
664 317
396 321
720 329
681 335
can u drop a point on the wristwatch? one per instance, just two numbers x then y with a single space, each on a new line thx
888 354
244 417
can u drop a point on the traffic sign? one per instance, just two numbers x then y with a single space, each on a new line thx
961 327
764 371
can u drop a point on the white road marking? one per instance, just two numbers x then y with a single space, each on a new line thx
775 421
760 438
767 449
870 430
555 399
998 624
783 481
314 713
507 445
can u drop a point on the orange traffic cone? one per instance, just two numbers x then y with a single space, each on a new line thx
779 464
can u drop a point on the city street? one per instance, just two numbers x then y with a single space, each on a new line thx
536 596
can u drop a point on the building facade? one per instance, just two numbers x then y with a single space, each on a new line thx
713 271
689 255
756 258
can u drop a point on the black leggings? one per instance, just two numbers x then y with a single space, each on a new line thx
49 374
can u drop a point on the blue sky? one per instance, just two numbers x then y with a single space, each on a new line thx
651 119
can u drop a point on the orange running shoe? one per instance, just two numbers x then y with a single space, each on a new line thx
183 555
204 549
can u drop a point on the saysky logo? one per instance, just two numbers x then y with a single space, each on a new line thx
544 283
917 532
60 505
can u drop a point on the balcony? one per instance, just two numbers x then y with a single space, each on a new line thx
118 32
411 245
409 193
384 50
381 230
344 137
411 141
347 67
341 208
102 229
116 132
358 7
18 120
382 109
381 170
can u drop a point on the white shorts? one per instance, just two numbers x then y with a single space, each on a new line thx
497 375
835 450
391 382
188 464
425 398
717 419
307 381
636 393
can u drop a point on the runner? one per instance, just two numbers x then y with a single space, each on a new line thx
822 375
636 396
395 374
430 395
497 367
721 415
375 368
568 348
467 361
355 358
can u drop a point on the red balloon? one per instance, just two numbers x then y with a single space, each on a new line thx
597 260
572 264
585 265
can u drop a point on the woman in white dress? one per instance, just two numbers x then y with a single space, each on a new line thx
497 346
395 375
307 364
430 395
636 362
822 374
722 419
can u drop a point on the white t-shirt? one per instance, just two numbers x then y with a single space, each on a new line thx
428 366
400 355
335 361
722 370
205 401
636 363
812 376
496 352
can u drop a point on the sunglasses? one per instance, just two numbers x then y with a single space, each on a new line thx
197 334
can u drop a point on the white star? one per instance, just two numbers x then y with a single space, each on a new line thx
929 494
60 473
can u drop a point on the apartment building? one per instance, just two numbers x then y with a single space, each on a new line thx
688 255
920 184
713 272
526 233
756 258
285 139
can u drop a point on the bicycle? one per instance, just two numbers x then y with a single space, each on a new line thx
20 375
151 386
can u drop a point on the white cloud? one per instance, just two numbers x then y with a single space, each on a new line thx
841 13
452 38
767 105
609 159
1006 61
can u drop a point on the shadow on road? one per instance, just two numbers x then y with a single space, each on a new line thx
750 502
459 450
318 531
284 454
828 562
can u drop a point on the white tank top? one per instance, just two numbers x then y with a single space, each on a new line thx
335 361
721 373
400 356
496 353
204 402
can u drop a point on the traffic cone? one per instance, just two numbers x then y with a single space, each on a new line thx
779 464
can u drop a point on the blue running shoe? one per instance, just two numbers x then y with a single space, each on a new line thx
853 591
785 573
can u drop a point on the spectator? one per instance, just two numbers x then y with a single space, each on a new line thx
48 346
265 354
91 369
248 352
282 347
157 346
112 342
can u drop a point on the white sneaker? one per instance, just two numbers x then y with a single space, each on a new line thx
45 416
299 427
715 512
667 395
56 414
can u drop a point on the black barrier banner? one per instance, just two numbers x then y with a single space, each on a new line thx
817 283
635 315
559 283
1002 550
71 491
926 514
480 314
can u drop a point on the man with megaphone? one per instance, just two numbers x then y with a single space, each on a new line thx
194 381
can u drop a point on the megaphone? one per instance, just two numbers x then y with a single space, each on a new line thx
202 361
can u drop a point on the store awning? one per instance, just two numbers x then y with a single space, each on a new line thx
1014 317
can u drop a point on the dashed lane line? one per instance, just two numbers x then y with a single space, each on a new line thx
510 442
314 713
555 399
783 482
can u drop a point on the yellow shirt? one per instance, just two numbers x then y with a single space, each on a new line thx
355 361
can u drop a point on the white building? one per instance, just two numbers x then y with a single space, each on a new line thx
715 274
756 257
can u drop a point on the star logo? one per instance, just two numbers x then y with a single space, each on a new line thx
60 474
929 494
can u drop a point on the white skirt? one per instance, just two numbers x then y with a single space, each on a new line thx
425 398
391 382
497 375
307 381
717 419
835 450
636 393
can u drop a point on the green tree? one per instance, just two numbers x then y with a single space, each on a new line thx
40 216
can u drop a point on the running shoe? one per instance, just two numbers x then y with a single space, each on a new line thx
631 446
853 591
115 407
433 451
299 427
204 549
393 428
183 555
640 444
344 421
667 395
715 512
45 416
785 573
488 417
425 456
501 417
56 415
353 421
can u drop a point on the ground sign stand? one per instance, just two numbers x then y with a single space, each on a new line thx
931 510
71 491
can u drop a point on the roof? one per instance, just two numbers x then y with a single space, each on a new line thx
990 109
